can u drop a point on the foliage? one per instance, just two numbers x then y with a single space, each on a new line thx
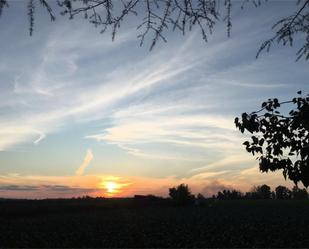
229 195
283 193
158 16
200 196
263 192
181 195
299 194
280 141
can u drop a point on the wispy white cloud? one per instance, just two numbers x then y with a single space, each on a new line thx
12 134
54 92
210 133
240 160
40 138
63 86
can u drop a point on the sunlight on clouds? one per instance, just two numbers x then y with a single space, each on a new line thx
88 158
13 134
243 160
134 131
40 186
114 186
165 156
205 132
206 175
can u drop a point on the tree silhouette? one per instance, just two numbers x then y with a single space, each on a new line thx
227 194
283 193
200 197
263 191
299 194
181 195
158 16
281 139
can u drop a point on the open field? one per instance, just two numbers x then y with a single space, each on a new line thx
122 223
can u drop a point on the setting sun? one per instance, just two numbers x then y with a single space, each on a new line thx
111 187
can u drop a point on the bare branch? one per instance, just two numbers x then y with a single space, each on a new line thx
31 8
3 3
288 28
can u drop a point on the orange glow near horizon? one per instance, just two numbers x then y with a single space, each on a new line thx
112 187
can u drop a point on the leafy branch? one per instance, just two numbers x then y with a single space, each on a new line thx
281 141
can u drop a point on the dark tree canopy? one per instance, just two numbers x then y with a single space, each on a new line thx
157 16
281 138
299 194
181 195
264 192
283 193
227 194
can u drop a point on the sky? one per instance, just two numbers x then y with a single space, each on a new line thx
83 115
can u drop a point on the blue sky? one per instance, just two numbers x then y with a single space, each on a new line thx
76 108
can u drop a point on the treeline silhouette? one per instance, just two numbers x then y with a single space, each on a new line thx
178 196
264 192
181 194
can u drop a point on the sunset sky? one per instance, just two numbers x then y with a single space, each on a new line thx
82 115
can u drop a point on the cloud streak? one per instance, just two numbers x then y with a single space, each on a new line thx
88 158
49 188
51 94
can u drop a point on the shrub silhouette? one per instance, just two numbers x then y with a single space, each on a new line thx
181 195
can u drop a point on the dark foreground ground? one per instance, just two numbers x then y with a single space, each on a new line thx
122 223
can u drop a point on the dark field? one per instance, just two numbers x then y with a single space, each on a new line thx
124 223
